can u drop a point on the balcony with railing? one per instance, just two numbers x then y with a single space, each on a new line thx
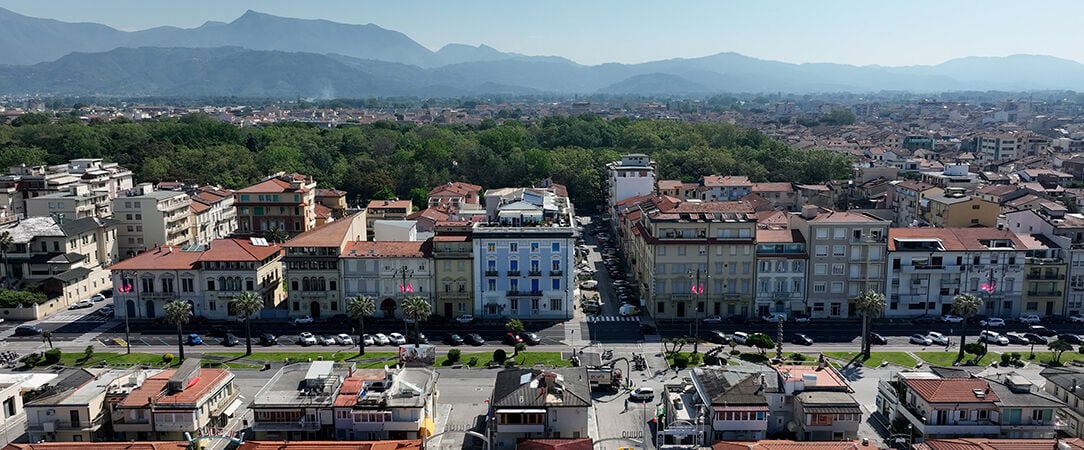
534 273
68 425
557 273
492 273
1046 276
930 426
524 293
1043 261
1044 293
513 273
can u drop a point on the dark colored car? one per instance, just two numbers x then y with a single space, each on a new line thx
27 330
1071 338
230 340
268 339
511 339
977 319
530 338
646 328
926 319
877 339
715 336
417 338
453 339
195 339
475 339
801 339
1042 331
1035 339
1017 338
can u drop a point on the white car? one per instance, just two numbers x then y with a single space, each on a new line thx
466 318
937 338
739 336
367 339
306 338
97 298
397 339
920 340
713 319
949 318
1076 318
993 337
993 322
801 319
643 393
589 284
1030 319
381 339
344 339
327 339
302 320
84 303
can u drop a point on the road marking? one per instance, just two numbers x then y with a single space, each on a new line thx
597 319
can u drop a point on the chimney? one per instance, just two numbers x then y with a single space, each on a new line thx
810 211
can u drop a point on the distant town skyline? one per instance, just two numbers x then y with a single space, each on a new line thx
916 32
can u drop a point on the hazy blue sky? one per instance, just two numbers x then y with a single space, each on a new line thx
595 31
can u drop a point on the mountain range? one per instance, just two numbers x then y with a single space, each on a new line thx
261 55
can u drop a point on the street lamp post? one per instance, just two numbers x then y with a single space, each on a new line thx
698 289
988 291
404 288
125 288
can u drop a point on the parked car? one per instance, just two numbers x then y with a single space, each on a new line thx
801 319
1030 319
950 318
1076 318
84 303
27 330
511 338
716 336
344 339
306 338
774 317
642 393
381 339
194 339
465 318
397 339
801 339
1071 338
1016 338
713 319
419 338
475 339
992 337
1035 339
877 339
302 320
920 339
367 339
739 336
268 339
530 338
924 319
97 298
453 339
106 311
230 340
993 322
327 339
937 338
589 284
1042 331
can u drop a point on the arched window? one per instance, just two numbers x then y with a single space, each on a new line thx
322 285
305 284
222 284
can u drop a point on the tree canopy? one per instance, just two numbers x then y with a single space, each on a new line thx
407 160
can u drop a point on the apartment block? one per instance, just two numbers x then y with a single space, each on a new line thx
170 404
149 218
534 403
389 272
782 260
382 405
285 202
312 267
453 269
954 209
214 215
297 403
78 201
386 210
631 176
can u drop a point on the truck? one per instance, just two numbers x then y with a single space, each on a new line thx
604 378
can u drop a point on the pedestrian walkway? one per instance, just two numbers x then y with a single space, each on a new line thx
91 336
597 319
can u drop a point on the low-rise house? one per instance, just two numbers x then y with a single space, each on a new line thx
1067 385
297 403
530 403
188 400
386 210
738 401
73 408
381 404
824 408
999 444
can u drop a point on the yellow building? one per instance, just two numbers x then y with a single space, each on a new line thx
954 209
1045 268
452 262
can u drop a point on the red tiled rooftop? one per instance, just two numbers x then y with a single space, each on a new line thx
198 207
825 377
999 444
773 187
163 445
208 381
384 249
952 390
272 186
381 204
789 445
331 445
171 257
556 444
330 235
718 180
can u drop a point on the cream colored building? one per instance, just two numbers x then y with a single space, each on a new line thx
79 201
150 218
171 403
312 268
72 409
452 269
673 243
213 213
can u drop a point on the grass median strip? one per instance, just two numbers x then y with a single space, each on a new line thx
901 359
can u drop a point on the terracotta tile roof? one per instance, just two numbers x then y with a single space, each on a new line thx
172 258
720 181
457 188
1000 444
386 249
998 189
381 204
208 381
331 445
669 184
430 213
773 187
272 186
961 239
321 211
330 235
779 236
952 390
451 238
238 249
164 445
789 445
198 207
555 444
330 193
825 377
348 393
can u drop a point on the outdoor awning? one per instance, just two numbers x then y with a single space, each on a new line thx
428 427
521 411
233 407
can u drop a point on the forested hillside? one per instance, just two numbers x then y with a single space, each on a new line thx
406 160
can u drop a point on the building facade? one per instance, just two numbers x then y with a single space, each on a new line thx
390 272
453 269
149 218
312 267
283 202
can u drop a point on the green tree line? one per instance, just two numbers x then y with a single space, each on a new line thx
390 158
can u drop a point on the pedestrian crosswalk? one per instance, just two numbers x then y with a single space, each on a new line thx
613 318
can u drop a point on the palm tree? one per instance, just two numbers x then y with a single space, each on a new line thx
178 312
418 310
47 336
869 304
276 235
247 304
359 308
965 305
6 241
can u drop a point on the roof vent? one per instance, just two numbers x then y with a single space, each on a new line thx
979 393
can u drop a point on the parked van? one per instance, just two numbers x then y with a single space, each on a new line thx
628 310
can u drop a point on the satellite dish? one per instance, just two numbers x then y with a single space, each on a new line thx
792 426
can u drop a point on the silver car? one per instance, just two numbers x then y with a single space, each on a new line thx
920 340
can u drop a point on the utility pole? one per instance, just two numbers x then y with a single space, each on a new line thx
698 289
404 289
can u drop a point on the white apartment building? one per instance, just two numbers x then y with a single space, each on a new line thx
632 175
215 216
79 201
389 272
149 218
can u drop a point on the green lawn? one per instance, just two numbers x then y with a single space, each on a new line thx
113 359
948 358
898 358
525 359
345 355
692 362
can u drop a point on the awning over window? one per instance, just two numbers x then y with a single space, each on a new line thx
233 407
521 411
